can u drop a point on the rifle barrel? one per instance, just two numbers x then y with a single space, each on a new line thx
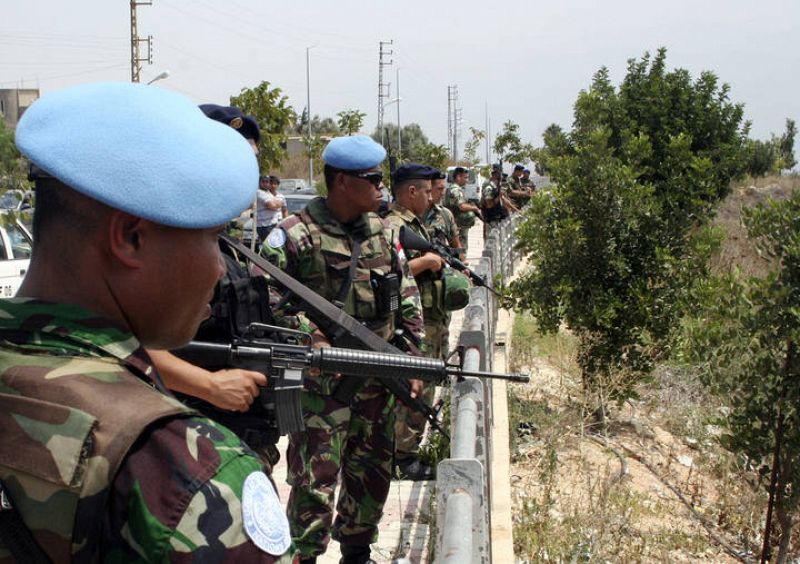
511 376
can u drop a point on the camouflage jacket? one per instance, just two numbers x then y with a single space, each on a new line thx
145 478
316 249
441 224
429 283
453 198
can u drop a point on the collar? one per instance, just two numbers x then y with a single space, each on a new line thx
39 326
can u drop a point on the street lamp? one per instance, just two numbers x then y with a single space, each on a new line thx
160 76
308 106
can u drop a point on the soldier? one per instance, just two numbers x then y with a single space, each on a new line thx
527 182
339 248
517 192
411 185
133 184
492 198
439 220
464 211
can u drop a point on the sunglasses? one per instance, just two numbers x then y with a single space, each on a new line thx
374 178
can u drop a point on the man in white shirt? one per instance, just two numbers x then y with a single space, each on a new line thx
271 206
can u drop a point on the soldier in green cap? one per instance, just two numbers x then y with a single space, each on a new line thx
342 250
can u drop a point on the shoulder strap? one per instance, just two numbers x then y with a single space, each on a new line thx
355 252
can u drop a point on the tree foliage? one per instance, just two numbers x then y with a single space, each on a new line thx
350 121
745 343
13 172
773 156
509 147
270 108
473 144
617 244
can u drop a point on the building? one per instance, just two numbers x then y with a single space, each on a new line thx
14 102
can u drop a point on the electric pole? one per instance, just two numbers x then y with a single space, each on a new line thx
136 59
383 88
453 120
308 114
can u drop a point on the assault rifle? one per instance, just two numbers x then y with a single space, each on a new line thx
283 354
412 241
340 328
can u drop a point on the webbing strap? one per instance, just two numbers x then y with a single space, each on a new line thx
16 536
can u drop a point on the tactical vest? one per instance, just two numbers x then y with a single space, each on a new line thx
329 268
63 440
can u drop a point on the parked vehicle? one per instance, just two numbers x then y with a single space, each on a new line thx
16 200
295 186
16 245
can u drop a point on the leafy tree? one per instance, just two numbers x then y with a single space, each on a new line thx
319 126
414 140
785 145
434 155
556 142
616 246
270 108
471 147
13 172
350 121
747 349
509 147
773 156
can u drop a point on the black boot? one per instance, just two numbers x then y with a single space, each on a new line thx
414 470
355 554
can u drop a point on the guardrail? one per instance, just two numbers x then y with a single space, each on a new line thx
463 481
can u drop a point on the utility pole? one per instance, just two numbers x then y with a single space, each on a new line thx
383 88
136 59
453 120
488 134
308 114
399 139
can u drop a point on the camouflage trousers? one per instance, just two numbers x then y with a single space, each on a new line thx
352 440
463 234
410 424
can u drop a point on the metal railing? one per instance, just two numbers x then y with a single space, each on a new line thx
463 481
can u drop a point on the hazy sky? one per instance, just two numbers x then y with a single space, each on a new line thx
526 59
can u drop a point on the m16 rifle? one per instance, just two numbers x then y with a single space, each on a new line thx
412 241
284 354
340 328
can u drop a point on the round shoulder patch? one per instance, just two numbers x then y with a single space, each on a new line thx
276 238
264 518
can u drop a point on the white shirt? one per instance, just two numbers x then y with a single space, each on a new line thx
265 216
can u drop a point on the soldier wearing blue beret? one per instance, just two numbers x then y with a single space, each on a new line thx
340 249
133 184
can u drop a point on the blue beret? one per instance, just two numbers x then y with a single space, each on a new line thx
355 152
408 171
143 150
519 167
234 117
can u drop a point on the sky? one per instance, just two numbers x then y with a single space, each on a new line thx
526 61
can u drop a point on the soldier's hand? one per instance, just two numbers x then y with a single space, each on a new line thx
236 388
434 261
319 341
416 387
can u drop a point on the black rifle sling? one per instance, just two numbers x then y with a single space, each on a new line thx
338 317
355 252
15 534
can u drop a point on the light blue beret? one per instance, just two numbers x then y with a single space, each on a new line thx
143 150
356 152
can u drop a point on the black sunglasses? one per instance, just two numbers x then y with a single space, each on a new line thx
374 178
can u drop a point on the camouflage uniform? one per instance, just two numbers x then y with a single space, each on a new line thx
85 434
454 197
517 184
410 423
354 438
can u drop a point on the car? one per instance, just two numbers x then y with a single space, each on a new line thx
16 200
16 245
295 186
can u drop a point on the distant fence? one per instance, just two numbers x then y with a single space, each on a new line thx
463 481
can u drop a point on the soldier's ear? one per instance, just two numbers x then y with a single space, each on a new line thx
125 236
